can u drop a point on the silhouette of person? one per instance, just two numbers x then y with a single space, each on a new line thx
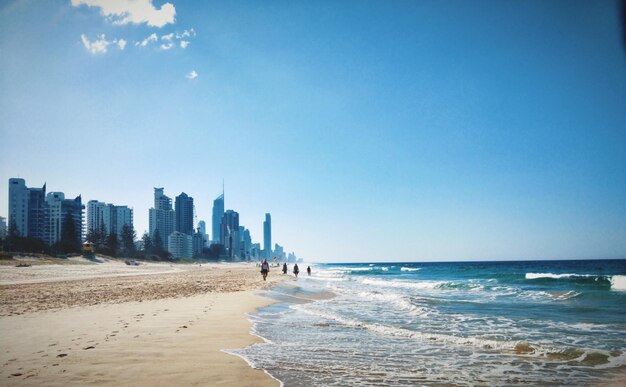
308 270
285 268
296 270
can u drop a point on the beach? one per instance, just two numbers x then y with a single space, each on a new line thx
77 322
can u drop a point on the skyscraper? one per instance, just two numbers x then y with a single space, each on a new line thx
267 236
184 214
162 217
229 233
202 231
218 214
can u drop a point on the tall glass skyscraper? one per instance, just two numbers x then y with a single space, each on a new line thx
267 236
218 213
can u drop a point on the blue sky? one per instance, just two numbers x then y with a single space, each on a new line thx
371 130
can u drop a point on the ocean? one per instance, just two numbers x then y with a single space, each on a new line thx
464 323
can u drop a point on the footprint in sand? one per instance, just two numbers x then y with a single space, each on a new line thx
62 355
89 347
17 374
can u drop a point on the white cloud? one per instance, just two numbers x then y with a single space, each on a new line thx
167 46
186 34
101 44
193 74
144 43
168 36
121 12
184 43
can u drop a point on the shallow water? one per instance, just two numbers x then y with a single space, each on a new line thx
498 323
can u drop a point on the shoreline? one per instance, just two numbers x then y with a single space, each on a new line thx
174 328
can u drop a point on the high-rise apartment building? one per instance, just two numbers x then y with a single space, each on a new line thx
18 206
162 217
184 214
112 217
41 216
267 236
180 245
55 216
73 209
218 214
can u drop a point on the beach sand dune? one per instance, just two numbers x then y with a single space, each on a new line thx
167 328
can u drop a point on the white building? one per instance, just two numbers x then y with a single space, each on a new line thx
3 227
18 205
113 217
55 216
180 245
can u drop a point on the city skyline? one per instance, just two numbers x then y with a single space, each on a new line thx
370 131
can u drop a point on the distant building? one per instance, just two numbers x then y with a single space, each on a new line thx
218 214
279 252
184 214
267 236
247 243
73 209
180 245
55 216
229 233
18 205
3 227
202 230
198 242
112 217
162 217
36 215
255 251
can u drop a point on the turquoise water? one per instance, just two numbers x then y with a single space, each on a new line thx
477 323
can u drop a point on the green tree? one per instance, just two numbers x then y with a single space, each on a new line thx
70 240
128 241
111 245
148 246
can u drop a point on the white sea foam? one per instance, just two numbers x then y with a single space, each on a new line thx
395 299
410 268
556 276
403 284
618 282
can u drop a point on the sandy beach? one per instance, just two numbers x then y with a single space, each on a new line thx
77 323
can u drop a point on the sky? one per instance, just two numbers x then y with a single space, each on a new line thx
370 130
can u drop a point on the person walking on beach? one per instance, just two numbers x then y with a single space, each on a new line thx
308 270
285 268
296 270
265 269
